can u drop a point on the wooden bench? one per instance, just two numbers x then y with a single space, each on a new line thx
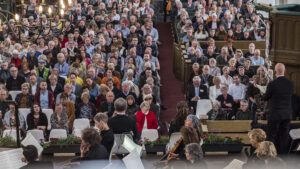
230 128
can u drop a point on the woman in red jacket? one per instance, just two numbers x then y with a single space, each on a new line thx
146 119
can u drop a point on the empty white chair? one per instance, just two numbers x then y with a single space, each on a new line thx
79 125
37 134
117 147
295 135
12 133
173 140
24 112
149 134
203 107
58 133
14 93
48 113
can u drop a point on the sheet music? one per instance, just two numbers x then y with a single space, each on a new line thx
133 160
298 148
129 145
30 140
11 159
235 164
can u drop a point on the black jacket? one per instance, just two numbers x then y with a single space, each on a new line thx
43 121
19 81
202 92
38 165
104 108
107 139
58 89
280 92
122 124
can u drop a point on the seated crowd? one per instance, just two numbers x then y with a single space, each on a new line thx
234 81
218 20
102 51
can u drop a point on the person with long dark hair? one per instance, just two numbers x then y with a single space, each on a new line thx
182 112
37 119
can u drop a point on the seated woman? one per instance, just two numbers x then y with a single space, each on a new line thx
266 157
102 96
226 101
9 120
132 107
109 74
145 118
59 119
216 113
215 90
182 112
153 107
69 108
37 119
256 136
92 86
111 86
188 135
194 155
193 121
30 154
196 72
86 109
24 99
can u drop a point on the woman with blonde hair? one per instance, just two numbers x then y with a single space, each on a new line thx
145 118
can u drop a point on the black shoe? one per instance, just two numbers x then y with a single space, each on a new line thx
163 107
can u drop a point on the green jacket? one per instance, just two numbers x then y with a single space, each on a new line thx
45 74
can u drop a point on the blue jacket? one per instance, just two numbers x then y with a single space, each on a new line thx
64 70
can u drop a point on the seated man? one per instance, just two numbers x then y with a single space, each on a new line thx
15 81
243 113
256 59
121 123
68 90
44 97
107 106
106 133
237 91
196 91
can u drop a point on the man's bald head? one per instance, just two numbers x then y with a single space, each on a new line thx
279 69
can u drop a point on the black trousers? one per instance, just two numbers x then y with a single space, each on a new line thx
278 133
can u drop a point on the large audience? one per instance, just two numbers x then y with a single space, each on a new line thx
233 80
79 64
100 62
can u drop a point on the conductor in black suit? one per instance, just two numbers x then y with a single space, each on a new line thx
279 92
197 91
121 123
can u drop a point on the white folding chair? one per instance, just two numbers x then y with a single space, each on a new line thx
12 133
203 106
173 140
149 134
58 133
117 147
37 134
79 125
14 93
48 113
24 112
